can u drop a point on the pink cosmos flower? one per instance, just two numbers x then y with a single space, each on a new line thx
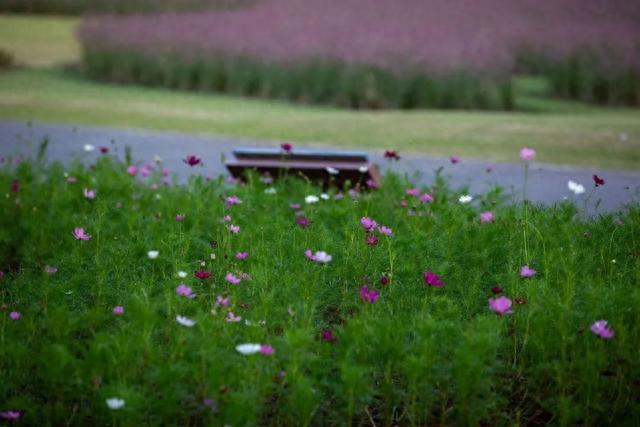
267 349
295 206
385 230
368 223
454 159
10 415
372 184
309 254
89 194
235 229
327 335
526 271
403 203
412 192
500 306
602 329
71 180
14 315
426 198
369 295
286 147
180 217
231 317
118 310
165 172
232 200
185 291
232 278
226 218
242 255
371 239
50 270
201 274
432 279
192 160
132 170
223 301
80 234
486 217
146 170
527 154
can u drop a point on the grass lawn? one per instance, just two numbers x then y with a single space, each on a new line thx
562 132
432 320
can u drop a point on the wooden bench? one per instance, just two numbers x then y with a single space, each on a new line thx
317 165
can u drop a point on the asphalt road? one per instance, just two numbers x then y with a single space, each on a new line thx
547 183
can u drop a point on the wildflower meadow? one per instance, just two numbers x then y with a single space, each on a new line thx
130 298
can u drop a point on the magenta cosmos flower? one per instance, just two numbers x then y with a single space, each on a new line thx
180 217
432 279
372 184
412 192
201 274
368 223
454 159
303 221
286 147
327 335
118 310
232 278
501 305
14 315
266 349
369 295
132 170
526 271
486 217
242 255
192 160
602 329
598 181
527 154
391 155
80 234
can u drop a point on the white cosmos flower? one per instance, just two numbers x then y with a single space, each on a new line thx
248 348
153 254
89 148
322 257
115 403
311 199
363 169
575 187
185 321
324 196
332 171
465 198
270 190
182 274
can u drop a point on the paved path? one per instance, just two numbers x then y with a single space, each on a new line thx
547 183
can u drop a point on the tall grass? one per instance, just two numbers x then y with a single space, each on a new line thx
330 82
418 355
